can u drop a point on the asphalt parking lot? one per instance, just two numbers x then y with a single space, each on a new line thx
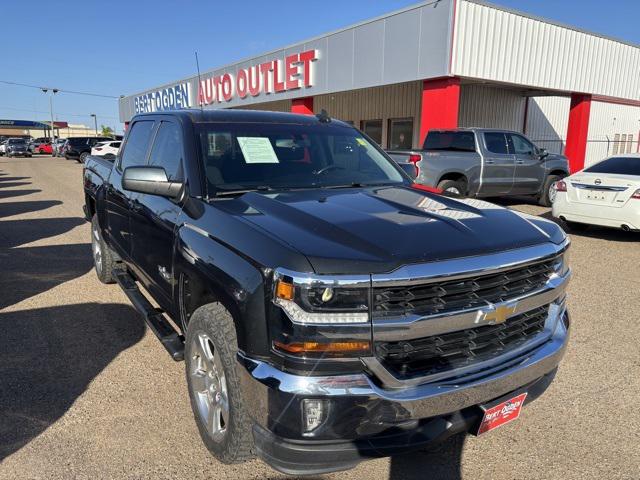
87 392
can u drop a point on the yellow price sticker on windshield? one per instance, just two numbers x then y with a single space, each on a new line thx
361 141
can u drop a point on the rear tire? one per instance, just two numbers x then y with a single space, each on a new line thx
456 188
547 195
213 380
83 157
103 257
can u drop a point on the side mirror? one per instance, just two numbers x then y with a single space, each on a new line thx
152 180
542 153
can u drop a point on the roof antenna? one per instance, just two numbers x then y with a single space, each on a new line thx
323 116
199 81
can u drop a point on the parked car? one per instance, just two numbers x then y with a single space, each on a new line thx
17 147
327 309
606 194
44 148
3 147
106 149
479 162
35 143
57 147
79 148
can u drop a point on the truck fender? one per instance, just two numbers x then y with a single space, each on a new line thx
208 271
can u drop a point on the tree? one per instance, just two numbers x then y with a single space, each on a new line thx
106 131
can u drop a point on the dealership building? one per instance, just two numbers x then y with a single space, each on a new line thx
439 64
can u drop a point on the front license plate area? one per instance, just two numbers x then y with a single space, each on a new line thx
502 413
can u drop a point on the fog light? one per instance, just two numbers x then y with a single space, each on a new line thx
314 413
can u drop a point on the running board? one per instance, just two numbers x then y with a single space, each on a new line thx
159 325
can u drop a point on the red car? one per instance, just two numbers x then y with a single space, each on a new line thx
44 148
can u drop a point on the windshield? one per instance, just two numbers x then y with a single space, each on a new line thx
617 165
263 156
16 141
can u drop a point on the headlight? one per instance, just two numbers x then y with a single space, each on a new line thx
323 302
561 265
320 317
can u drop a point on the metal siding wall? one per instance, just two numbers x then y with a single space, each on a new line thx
491 107
547 122
607 120
407 45
494 44
377 103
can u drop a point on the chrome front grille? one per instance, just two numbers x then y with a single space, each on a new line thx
434 298
459 349
457 318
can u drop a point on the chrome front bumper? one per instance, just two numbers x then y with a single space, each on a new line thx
275 396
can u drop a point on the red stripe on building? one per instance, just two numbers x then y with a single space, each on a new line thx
578 130
440 103
303 106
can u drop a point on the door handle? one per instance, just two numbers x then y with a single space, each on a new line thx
489 162
520 162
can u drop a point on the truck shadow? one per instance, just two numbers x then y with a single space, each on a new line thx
443 462
29 271
20 232
8 209
48 356
17 193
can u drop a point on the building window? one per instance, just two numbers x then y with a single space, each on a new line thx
373 128
401 133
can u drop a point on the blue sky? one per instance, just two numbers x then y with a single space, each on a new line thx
119 47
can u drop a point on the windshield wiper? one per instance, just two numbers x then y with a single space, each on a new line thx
241 191
358 185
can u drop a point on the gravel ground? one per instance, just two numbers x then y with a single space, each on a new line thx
87 392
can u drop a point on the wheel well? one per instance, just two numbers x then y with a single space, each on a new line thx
193 294
91 206
455 176
559 173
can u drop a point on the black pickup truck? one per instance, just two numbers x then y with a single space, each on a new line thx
328 310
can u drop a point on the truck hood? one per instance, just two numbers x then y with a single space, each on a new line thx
378 229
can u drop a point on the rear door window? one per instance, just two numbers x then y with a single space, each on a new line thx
496 142
137 146
167 151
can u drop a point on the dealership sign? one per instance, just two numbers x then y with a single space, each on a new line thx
294 72
170 98
272 76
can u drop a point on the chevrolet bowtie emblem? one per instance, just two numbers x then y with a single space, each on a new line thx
500 314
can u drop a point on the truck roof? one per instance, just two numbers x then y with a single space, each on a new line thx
474 129
227 115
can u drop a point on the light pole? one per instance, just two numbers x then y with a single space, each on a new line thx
53 92
95 122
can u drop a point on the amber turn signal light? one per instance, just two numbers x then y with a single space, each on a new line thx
284 290
298 348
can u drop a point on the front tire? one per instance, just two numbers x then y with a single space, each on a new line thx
220 411
456 188
83 157
103 257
